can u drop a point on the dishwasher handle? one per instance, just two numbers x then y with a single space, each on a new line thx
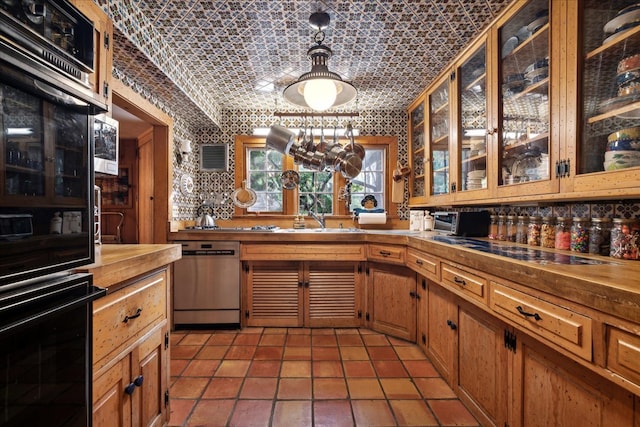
210 252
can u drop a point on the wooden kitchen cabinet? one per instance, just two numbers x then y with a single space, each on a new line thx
303 293
100 79
417 155
130 361
391 300
442 323
550 390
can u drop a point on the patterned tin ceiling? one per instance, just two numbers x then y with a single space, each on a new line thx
243 53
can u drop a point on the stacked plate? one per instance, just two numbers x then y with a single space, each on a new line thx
537 71
624 21
477 147
628 84
476 179
623 149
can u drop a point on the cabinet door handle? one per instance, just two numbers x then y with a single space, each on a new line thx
567 168
527 314
133 316
459 281
130 388
385 253
452 325
306 284
138 381
300 284
412 294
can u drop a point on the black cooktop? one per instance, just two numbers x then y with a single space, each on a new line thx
521 253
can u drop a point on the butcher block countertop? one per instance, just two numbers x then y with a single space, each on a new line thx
612 287
115 264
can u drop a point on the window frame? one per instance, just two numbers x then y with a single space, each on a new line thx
289 198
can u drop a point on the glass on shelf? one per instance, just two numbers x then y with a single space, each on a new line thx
610 101
417 132
524 42
473 120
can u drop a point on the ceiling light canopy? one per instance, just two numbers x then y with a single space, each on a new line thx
319 89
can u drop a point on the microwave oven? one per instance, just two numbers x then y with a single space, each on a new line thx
106 151
469 224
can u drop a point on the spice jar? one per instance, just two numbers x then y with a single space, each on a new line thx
624 239
563 233
510 229
501 227
548 232
493 227
533 231
580 235
521 229
600 236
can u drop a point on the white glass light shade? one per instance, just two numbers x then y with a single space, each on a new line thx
320 94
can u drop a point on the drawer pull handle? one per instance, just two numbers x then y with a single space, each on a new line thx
419 262
133 316
527 314
385 253
459 281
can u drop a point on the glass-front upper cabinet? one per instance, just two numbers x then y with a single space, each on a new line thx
608 140
524 146
471 78
417 192
438 146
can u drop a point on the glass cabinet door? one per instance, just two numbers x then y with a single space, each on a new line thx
610 103
416 135
24 153
524 147
439 139
473 122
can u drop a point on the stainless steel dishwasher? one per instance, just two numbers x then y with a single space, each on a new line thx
206 288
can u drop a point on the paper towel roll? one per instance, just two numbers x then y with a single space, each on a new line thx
372 218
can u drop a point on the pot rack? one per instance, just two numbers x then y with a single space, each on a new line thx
321 115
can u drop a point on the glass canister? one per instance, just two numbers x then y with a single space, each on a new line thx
510 228
580 235
625 239
521 229
502 225
493 227
533 231
600 236
548 232
563 233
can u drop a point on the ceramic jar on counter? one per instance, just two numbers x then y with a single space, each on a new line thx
600 236
533 231
548 232
521 229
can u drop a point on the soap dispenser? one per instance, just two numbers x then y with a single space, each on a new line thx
55 227
428 221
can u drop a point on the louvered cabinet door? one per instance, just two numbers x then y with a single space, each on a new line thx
333 294
274 294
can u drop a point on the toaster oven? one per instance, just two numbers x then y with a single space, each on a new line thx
470 224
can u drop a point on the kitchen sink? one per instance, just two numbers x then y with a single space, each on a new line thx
318 230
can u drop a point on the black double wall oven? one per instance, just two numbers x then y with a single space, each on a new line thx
46 213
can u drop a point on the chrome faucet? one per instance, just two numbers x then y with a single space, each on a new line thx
319 219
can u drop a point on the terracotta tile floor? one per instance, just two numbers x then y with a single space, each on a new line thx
297 377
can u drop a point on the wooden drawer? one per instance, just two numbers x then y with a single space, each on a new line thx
464 282
386 253
127 312
623 354
559 325
423 264
302 252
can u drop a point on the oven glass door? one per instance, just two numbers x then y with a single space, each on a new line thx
45 353
45 184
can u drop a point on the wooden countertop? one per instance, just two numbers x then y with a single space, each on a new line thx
115 264
612 288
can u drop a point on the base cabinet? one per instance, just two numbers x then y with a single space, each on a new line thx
442 323
391 300
131 354
303 293
550 390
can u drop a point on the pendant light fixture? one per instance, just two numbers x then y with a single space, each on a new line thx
319 89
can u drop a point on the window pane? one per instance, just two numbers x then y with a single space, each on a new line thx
263 176
371 179
315 191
